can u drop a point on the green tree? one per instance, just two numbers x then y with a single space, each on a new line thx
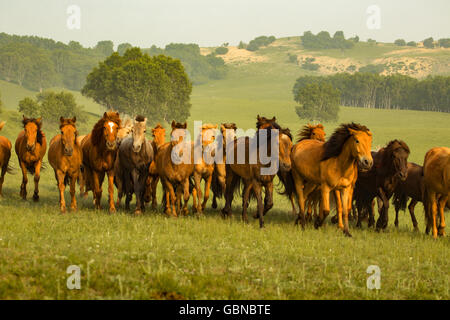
123 47
318 101
106 48
221 50
400 42
29 107
412 44
428 43
242 45
444 43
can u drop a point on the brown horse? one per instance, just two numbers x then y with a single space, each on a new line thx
159 135
252 173
390 167
308 132
175 165
218 184
412 188
204 170
31 146
65 157
99 154
5 155
332 165
436 175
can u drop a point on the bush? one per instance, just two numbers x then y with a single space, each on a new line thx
318 101
242 45
309 64
412 44
444 43
428 43
400 42
259 42
221 50
292 58
323 40
373 68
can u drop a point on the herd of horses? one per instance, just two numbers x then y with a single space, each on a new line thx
317 174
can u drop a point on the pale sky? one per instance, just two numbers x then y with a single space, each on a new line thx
212 22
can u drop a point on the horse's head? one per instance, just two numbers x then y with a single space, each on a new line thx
317 132
32 129
106 130
208 134
159 134
68 134
138 133
178 132
285 149
228 131
360 143
399 153
265 123
124 130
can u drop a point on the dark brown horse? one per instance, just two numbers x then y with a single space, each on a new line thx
99 155
251 172
65 157
31 146
5 155
390 167
412 188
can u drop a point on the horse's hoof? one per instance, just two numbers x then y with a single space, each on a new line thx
112 210
214 206
35 197
138 212
63 210
441 232
316 224
334 220
347 234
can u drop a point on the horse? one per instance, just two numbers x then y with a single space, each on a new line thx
30 148
218 185
204 170
99 156
132 165
175 176
390 167
65 157
412 188
123 132
331 166
252 174
159 134
436 177
314 132
5 155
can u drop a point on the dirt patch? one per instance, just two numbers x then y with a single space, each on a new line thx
415 67
237 56
330 65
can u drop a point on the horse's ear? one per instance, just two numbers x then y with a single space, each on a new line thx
222 128
320 126
258 117
61 119
274 119
185 125
173 124
39 121
74 120
352 132
105 114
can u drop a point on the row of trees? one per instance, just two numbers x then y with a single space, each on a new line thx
323 40
37 63
369 90
427 43
257 43
136 83
200 68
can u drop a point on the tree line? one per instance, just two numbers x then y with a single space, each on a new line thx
323 40
369 90
37 63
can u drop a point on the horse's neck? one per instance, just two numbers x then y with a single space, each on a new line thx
386 167
346 161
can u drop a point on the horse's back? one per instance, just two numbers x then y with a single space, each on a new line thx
306 158
5 151
436 170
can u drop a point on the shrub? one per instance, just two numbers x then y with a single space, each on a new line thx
221 50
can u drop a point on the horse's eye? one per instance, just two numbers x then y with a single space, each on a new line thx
357 141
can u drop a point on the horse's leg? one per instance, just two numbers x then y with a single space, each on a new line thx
350 204
112 207
23 186
299 185
325 208
257 189
171 199
397 209
371 212
198 188
137 189
433 211
245 198
442 204
2 178
81 181
37 177
231 179
61 187
96 189
207 190
339 207
411 207
73 199
268 198
186 197
383 219
154 185
345 194
292 199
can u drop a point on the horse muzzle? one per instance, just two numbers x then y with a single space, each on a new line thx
111 145
31 147
68 152
403 175
136 149
285 167
365 164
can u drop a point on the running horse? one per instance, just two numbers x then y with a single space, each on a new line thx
5 155
331 166
436 175
30 147
99 155
65 157
253 174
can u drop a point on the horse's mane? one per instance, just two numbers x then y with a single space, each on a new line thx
140 118
306 131
66 122
402 144
229 126
333 147
158 126
40 135
287 132
97 131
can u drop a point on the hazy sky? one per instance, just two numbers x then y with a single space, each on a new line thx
212 22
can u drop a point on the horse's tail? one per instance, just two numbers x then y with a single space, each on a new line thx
287 181
216 187
400 200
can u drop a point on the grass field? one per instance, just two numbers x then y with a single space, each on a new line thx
154 257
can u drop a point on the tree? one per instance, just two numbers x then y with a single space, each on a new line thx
123 47
156 87
106 48
400 42
444 43
29 107
428 43
221 50
412 44
318 101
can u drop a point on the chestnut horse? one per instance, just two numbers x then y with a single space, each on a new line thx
31 146
390 167
436 175
252 174
159 135
175 175
99 154
65 157
332 165
5 155
218 185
